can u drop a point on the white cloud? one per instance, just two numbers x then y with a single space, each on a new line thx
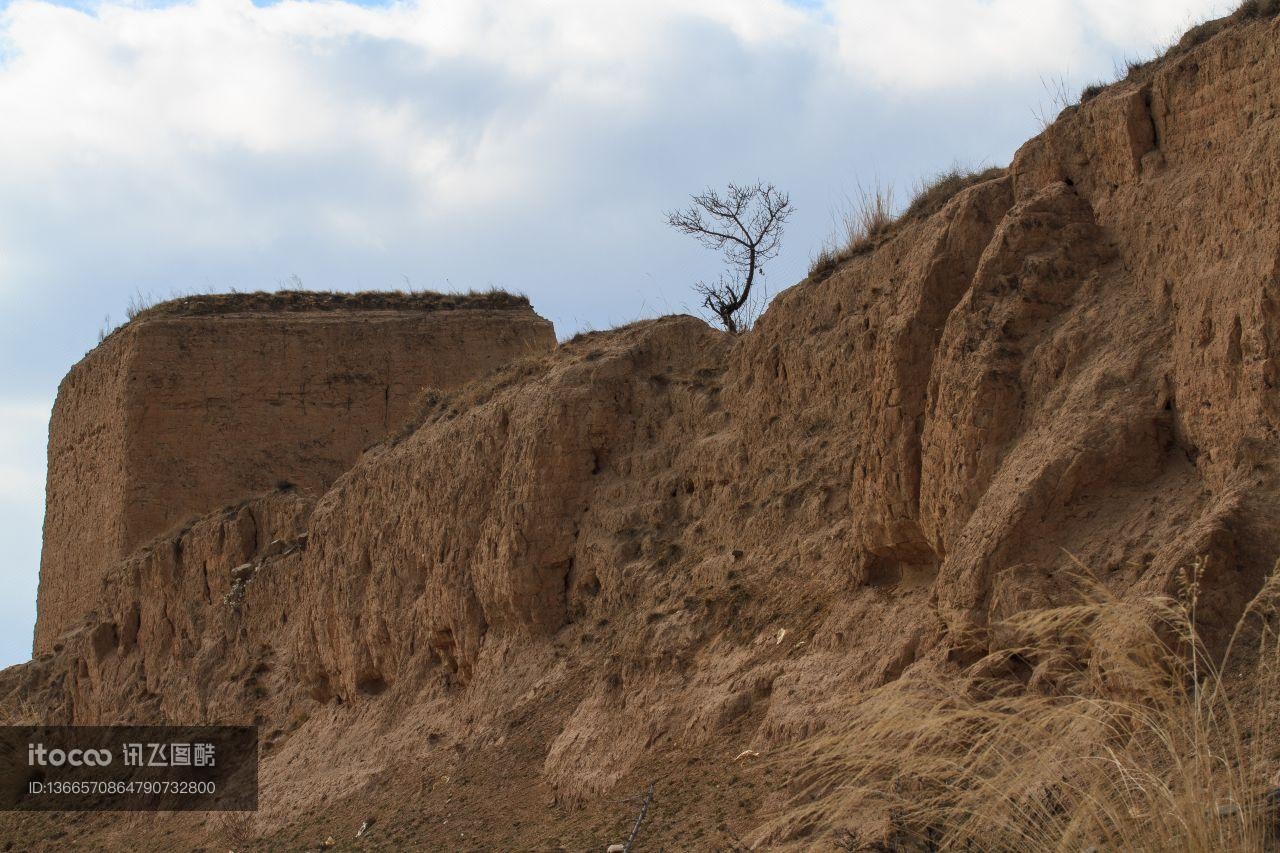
927 44
460 102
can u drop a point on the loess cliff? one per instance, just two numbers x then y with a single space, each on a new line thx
664 553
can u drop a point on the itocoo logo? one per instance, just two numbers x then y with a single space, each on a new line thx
39 755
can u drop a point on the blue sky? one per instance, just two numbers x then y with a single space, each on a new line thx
197 146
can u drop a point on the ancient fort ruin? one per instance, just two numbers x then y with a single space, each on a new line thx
206 401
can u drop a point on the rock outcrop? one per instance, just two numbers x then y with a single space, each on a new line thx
659 549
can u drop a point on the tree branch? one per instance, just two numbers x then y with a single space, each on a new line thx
644 809
758 213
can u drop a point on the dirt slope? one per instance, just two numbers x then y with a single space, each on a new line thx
638 556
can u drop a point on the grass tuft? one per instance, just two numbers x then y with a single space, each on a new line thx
20 712
145 306
1092 91
1254 9
314 300
869 217
1102 725
866 218
933 194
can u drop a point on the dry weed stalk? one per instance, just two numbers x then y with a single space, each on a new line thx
871 215
1101 725
20 712
236 830
864 218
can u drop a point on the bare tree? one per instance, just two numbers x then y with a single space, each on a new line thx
746 224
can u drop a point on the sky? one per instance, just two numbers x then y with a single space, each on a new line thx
155 149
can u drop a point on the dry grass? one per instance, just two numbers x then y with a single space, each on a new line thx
138 303
1104 725
869 217
1092 91
1249 10
1252 9
21 712
932 195
866 217
235 831
143 306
